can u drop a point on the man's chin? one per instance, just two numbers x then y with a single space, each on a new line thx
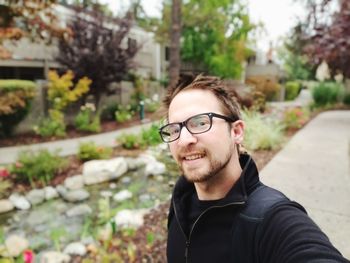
196 177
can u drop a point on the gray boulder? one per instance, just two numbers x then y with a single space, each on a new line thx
6 206
19 201
36 196
98 171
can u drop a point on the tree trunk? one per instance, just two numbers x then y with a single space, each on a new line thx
175 35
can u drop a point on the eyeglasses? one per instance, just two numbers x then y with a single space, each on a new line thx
195 125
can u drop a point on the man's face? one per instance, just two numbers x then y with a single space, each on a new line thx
201 156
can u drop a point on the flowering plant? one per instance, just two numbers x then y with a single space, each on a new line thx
87 119
124 113
28 256
295 118
5 184
4 173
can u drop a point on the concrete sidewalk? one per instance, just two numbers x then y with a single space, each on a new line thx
314 170
68 146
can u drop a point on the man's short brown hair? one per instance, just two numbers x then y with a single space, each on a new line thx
225 95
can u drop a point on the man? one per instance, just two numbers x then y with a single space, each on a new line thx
220 211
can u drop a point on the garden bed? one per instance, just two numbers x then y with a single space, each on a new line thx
147 244
106 126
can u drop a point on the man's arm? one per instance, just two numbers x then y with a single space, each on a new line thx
288 235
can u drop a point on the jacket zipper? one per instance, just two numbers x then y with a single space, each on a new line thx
188 240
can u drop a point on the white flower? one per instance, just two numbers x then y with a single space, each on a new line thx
155 97
91 106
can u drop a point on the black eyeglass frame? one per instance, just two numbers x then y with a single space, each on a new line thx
184 124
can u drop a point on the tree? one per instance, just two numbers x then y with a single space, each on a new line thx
33 19
175 35
329 39
98 50
90 5
214 33
294 60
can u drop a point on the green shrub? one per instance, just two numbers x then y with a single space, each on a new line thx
124 113
34 167
87 120
152 105
131 141
61 93
327 93
266 85
108 111
148 137
346 99
151 136
5 188
261 133
292 90
54 125
15 103
90 151
295 118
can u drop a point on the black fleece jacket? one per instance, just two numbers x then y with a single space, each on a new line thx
252 223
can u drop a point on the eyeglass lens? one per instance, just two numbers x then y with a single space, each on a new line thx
196 124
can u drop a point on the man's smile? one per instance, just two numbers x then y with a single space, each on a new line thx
193 157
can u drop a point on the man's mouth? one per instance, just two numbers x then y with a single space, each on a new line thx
193 157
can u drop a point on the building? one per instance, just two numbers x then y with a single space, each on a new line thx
31 60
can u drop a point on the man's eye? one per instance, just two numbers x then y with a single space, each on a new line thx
174 131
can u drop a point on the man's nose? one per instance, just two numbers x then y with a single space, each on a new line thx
186 137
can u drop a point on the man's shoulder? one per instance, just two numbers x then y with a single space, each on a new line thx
264 199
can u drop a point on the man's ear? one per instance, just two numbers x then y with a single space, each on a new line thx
238 131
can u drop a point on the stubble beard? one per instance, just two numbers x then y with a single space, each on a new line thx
215 167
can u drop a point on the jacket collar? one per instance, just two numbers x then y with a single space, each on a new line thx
246 183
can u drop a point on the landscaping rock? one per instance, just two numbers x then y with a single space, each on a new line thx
76 195
135 163
98 171
36 217
54 257
106 194
130 218
74 182
122 195
126 180
75 248
6 206
146 158
50 193
112 185
19 201
62 191
79 210
36 196
155 168
15 245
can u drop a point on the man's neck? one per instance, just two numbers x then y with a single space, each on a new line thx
219 185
